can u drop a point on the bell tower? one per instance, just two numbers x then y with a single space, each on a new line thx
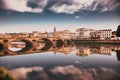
54 29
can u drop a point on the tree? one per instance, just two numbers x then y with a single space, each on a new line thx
113 34
4 74
118 31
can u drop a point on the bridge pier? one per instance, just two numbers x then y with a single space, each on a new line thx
34 42
5 43
54 43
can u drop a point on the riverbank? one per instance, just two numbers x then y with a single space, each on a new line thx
97 41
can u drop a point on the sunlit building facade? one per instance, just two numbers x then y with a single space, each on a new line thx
83 33
101 34
106 34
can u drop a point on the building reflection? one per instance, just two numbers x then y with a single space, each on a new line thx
83 50
102 49
65 50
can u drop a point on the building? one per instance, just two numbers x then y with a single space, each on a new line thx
101 34
23 35
66 34
36 34
45 34
106 34
83 33
95 35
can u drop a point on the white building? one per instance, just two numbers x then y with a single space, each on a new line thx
83 33
105 34
101 34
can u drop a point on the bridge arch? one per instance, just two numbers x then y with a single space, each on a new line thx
28 44
1 46
67 42
48 44
59 43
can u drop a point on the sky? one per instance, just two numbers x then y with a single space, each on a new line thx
43 15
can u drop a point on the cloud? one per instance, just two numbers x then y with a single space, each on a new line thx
60 6
72 6
23 5
78 17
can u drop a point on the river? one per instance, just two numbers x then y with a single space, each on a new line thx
73 62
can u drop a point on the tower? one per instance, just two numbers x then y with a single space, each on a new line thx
54 29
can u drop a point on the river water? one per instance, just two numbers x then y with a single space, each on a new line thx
73 62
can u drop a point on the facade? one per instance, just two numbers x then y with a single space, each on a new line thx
106 34
45 34
66 34
101 34
83 33
36 34
95 35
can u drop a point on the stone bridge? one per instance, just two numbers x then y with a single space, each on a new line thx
31 44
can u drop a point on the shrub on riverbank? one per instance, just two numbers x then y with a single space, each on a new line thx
4 74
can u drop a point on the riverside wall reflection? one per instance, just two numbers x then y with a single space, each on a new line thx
82 50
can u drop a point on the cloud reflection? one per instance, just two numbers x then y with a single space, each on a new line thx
76 73
69 72
32 73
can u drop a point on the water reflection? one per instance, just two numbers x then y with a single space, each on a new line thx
65 49
68 62
86 50
81 50
118 54
69 72
17 46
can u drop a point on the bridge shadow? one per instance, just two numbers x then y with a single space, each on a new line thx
1 47
59 43
67 42
48 44
27 47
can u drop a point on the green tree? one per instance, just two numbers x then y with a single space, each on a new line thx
4 74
